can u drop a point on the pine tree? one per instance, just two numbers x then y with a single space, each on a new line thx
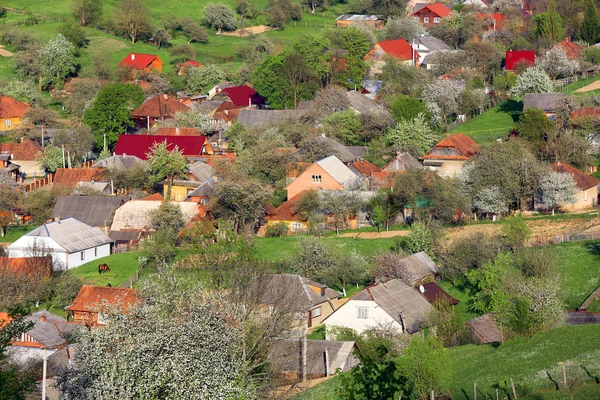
549 25
590 27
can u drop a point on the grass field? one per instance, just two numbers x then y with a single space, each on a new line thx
122 267
13 233
570 89
579 264
493 124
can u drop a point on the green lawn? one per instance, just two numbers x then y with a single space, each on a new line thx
122 267
461 293
570 89
579 264
13 233
493 124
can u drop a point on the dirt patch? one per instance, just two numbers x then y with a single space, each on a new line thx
589 88
253 30
375 235
5 53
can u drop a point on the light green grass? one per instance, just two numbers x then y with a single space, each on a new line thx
493 124
13 233
122 267
462 293
571 88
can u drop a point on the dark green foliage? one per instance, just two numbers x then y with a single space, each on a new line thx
535 127
590 27
356 46
66 287
110 114
370 380
405 107
548 26
385 8
519 316
74 34
515 230
592 55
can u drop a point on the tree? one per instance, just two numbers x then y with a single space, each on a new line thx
315 50
457 28
241 199
390 266
110 111
19 90
415 133
87 11
165 164
548 26
557 189
385 8
314 258
73 33
535 127
488 283
357 45
51 158
167 221
204 78
39 204
419 239
443 99
515 230
589 31
276 17
424 364
9 200
339 207
14 383
205 122
533 80
403 28
348 269
491 201
195 34
405 108
161 37
57 60
133 19
556 63
344 125
219 17
592 55
301 78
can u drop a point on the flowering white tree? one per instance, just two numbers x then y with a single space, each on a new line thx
556 63
205 122
533 80
491 201
57 60
442 98
415 132
557 189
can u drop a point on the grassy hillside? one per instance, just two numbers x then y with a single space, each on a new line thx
493 124
579 265
122 267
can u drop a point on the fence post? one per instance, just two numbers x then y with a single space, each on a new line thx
474 390
512 383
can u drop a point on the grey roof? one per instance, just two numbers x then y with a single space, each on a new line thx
358 17
421 266
486 329
432 43
398 299
418 6
285 356
256 118
360 102
295 290
122 236
119 162
72 235
357 151
202 171
546 101
407 160
49 333
338 170
305 105
344 153
135 214
97 186
204 190
62 359
91 210
206 107
372 86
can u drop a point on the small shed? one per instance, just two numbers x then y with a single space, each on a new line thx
484 329
347 20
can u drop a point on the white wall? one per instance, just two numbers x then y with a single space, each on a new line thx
23 354
89 255
347 316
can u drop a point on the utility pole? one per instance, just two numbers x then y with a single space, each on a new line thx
63 155
44 375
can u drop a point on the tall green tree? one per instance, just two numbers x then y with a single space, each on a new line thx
87 11
110 113
165 164
357 45
548 26
315 49
590 27
219 17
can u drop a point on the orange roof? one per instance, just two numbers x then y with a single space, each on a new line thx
364 167
10 108
385 178
399 49
293 170
177 132
215 159
572 50
583 181
154 197
27 150
91 298
138 60
70 176
463 144
436 8
286 211
586 112
4 319
32 266
160 106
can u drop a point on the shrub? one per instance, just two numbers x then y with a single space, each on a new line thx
277 230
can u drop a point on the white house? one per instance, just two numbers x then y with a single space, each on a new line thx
70 242
391 303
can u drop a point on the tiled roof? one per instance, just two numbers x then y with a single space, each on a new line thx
435 293
93 298
572 50
141 145
10 108
513 57
287 210
27 150
586 112
138 60
91 210
215 160
69 177
436 8
583 180
153 197
163 131
463 144
399 48
159 106
364 167
243 96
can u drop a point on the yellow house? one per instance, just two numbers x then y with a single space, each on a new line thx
12 113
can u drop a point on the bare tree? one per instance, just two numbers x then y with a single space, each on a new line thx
133 18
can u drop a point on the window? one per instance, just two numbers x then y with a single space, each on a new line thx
7 122
82 255
26 120
316 179
363 312
95 252
296 226
425 20
316 312
204 201
436 20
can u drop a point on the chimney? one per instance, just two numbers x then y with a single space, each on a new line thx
132 56
57 219
177 131
42 318
165 96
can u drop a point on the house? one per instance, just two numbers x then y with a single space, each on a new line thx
484 330
391 303
24 154
364 167
95 211
92 303
587 194
430 14
70 177
360 103
398 49
120 162
514 58
70 242
433 293
401 162
425 44
142 62
184 66
347 20
547 102
140 146
326 174
135 214
492 21
159 108
449 156
573 50
243 96
85 188
252 118
302 295
323 358
12 113
8 167
419 268
201 194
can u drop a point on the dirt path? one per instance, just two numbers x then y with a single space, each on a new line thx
253 30
375 235
589 88
5 53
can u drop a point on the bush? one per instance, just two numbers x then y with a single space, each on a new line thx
592 55
277 230
66 287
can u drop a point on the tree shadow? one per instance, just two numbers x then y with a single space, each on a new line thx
513 108
554 382
596 378
593 248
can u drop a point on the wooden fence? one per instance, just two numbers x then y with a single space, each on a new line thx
129 283
594 296
38 183
576 237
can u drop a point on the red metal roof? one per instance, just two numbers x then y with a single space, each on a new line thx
399 49
10 108
140 145
583 181
138 60
513 57
436 8
435 293
242 96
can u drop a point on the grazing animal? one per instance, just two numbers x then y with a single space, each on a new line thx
103 268
108 285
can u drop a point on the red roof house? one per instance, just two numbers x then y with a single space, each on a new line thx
158 108
26 150
586 112
588 187
364 167
572 50
243 96
91 301
142 62
13 112
140 145
69 177
450 154
514 57
399 49
431 14
496 21
181 70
